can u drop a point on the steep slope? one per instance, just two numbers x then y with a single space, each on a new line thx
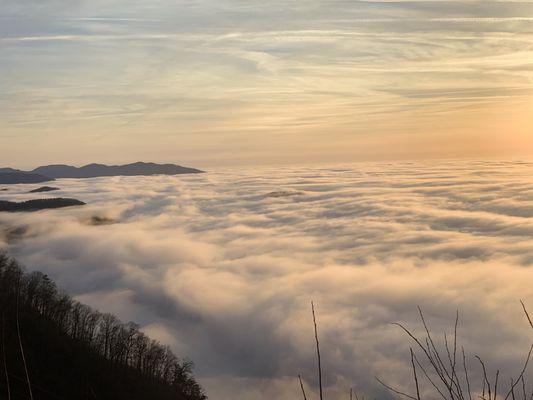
58 348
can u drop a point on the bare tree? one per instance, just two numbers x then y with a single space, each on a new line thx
440 368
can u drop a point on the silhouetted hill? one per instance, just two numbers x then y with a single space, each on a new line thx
61 349
10 178
44 189
38 204
96 170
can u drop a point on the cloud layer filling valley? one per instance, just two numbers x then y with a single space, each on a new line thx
222 266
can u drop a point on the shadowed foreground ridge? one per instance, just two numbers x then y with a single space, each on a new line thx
63 349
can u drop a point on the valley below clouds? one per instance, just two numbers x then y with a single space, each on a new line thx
222 266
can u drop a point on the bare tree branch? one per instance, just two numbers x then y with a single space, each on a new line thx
414 373
527 314
318 353
395 391
466 374
302 386
20 344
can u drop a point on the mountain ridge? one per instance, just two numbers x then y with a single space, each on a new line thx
95 170
47 173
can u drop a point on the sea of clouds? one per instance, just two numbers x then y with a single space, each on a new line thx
222 266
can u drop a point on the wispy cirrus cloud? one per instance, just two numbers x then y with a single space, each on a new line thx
289 70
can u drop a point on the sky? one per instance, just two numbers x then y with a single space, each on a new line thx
219 82
222 267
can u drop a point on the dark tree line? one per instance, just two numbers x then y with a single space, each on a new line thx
54 344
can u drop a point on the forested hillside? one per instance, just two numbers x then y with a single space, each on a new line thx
53 347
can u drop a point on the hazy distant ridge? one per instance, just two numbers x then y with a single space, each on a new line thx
51 172
95 170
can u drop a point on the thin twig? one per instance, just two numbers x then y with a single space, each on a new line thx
485 378
318 353
20 344
521 373
466 374
4 357
438 362
396 391
527 314
454 371
496 385
429 379
434 358
428 333
302 386
454 380
414 373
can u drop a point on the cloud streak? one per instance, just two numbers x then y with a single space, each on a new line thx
201 77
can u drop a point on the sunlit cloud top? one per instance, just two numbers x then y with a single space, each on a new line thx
221 82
